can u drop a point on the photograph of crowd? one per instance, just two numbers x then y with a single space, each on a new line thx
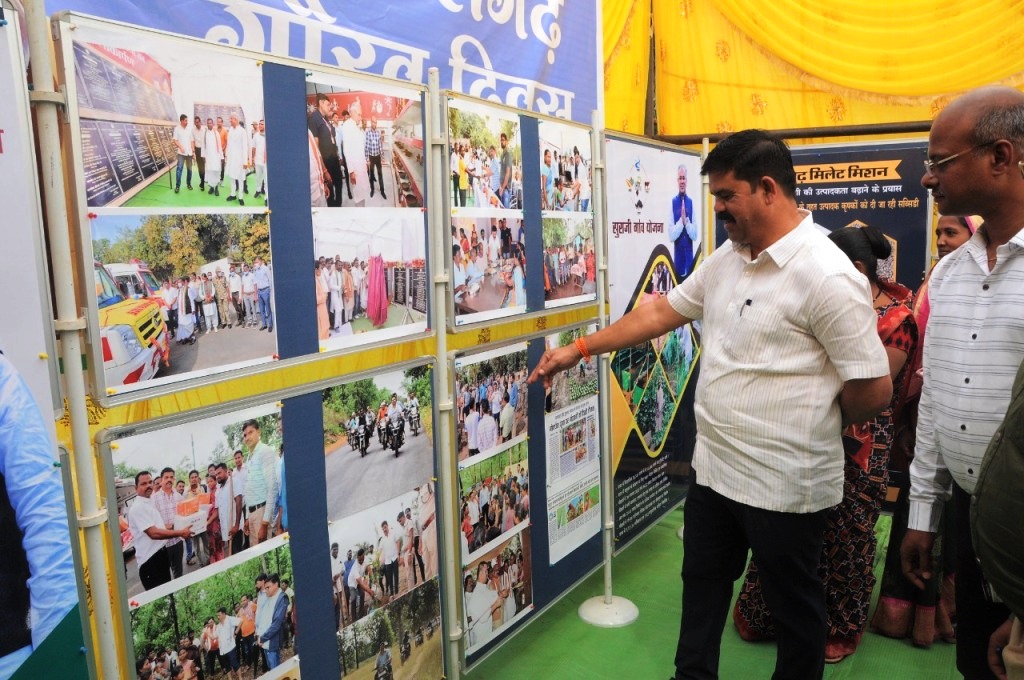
238 623
401 641
490 391
210 497
167 285
378 439
497 589
365 146
485 161
570 266
379 554
168 125
495 498
488 267
371 277
565 173
573 384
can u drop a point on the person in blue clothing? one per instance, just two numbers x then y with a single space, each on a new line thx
682 230
35 560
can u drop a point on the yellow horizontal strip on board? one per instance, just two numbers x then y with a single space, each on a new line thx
289 377
518 328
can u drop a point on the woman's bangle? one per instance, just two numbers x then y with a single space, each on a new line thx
581 345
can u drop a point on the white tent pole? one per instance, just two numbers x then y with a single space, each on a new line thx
609 610
93 516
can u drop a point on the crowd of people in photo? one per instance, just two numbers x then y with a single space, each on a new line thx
209 302
342 293
487 410
346 154
222 153
244 638
494 592
565 181
485 178
494 506
245 507
572 264
369 574
480 260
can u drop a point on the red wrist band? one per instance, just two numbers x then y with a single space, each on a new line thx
581 345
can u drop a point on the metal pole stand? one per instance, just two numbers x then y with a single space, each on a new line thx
608 610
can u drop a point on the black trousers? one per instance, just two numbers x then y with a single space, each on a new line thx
717 534
976 617
174 554
375 163
156 571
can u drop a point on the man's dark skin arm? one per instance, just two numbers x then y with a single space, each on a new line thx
643 323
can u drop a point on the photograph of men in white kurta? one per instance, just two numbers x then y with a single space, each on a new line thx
136 94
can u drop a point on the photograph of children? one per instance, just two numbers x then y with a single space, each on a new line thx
632 368
573 384
485 161
578 506
657 405
236 623
167 285
378 439
495 498
490 390
570 267
197 494
488 267
371 276
565 173
402 640
166 123
497 589
365 146
381 553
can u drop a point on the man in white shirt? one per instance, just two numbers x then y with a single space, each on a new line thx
259 159
471 421
237 154
239 476
225 632
975 345
150 535
197 144
389 557
184 147
790 355
358 585
338 583
166 500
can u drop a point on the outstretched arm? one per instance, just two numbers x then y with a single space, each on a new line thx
643 323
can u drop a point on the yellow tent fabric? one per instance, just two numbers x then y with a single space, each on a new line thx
731 64
627 37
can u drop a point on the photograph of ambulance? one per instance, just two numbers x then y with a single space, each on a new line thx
133 335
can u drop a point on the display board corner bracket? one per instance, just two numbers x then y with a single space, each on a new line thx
48 96
95 519
62 325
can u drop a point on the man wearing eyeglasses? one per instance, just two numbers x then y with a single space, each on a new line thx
975 344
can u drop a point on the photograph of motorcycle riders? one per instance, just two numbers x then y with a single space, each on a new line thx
378 439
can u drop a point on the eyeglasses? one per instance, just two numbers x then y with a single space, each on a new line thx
931 167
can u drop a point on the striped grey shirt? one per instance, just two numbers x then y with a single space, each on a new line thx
974 345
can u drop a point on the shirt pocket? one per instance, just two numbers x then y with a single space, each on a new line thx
753 336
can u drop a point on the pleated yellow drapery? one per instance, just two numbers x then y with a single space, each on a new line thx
626 34
730 64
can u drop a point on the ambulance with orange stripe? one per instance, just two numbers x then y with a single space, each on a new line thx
132 333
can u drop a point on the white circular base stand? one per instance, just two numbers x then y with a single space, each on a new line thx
615 614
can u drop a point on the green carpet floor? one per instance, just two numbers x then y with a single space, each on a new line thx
559 645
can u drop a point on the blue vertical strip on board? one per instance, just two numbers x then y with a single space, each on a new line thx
529 137
291 242
306 487
291 220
